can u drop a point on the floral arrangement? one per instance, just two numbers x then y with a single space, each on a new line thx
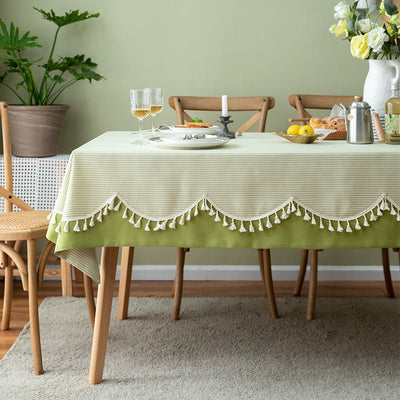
374 33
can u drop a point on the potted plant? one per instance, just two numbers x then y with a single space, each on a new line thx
37 123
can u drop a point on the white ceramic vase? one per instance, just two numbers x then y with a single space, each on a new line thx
381 75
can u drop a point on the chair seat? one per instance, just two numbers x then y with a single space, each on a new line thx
23 225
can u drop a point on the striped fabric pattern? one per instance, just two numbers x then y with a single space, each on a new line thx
246 178
252 183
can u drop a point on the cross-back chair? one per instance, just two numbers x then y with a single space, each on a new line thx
302 103
15 227
261 105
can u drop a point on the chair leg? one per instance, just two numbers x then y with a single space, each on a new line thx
78 275
387 274
8 291
269 283
178 284
66 278
125 282
88 285
302 273
261 265
312 288
33 308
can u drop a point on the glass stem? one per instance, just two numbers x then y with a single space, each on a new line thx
140 129
153 129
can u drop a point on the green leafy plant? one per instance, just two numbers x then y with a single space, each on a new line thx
57 74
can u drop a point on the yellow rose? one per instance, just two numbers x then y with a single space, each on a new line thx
359 47
341 28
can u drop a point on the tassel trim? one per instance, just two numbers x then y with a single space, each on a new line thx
291 208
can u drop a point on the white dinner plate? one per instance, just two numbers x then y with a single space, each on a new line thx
177 141
212 130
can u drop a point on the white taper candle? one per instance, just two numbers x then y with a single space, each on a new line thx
224 105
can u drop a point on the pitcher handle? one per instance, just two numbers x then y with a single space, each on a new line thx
396 79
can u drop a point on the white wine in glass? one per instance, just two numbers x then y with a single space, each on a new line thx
157 104
140 108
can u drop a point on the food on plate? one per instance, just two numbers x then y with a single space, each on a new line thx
337 123
306 130
194 125
293 130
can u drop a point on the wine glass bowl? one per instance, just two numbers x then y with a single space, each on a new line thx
157 104
140 108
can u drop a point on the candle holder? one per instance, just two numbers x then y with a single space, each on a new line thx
225 131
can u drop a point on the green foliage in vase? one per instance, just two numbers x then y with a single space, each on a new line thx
57 75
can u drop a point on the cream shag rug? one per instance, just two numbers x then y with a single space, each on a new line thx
222 348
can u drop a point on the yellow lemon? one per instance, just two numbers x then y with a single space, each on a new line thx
293 130
306 130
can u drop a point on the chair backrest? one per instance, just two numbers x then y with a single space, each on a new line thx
259 104
7 153
6 191
316 101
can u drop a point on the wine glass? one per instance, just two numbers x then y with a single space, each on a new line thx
140 108
157 103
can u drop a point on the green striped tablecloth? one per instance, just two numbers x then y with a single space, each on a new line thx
257 191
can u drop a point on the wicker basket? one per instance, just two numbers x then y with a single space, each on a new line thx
302 139
338 135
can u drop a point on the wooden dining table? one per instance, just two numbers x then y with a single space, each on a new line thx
256 191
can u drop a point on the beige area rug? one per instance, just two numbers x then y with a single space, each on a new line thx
222 348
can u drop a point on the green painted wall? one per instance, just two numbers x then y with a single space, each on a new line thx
197 47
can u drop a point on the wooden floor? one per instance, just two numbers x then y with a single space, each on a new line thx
19 316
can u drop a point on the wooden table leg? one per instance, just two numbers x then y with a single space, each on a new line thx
125 282
109 258
269 283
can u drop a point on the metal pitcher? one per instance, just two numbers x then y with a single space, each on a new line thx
359 122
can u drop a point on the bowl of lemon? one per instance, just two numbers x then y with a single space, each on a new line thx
299 134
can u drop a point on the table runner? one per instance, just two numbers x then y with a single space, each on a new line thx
254 183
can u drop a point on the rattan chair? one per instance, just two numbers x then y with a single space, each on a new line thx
302 102
26 225
261 105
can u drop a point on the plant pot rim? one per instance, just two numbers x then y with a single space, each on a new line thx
41 106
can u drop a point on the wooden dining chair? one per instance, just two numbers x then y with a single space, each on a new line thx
303 103
261 105
17 226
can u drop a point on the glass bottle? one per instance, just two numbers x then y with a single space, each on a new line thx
392 117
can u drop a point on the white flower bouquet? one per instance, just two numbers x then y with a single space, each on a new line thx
374 33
